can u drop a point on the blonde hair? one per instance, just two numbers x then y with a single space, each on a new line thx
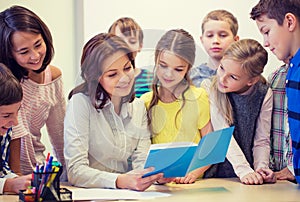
253 58
222 15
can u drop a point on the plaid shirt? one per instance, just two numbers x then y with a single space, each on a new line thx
5 140
281 146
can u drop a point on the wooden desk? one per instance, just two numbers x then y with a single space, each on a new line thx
219 190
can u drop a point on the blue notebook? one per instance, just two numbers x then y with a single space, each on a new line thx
179 158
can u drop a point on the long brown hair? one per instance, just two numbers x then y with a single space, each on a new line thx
182 44
94 53
253 58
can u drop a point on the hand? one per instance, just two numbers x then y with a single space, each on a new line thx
188 179
133 180
267 174
252 178
284 174
165 180
17 183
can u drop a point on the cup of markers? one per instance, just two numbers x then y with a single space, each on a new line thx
45 185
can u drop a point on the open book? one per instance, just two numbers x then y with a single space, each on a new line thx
179 158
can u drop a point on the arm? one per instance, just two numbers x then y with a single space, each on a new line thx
14 158
55 124
76 143
261 146
140 153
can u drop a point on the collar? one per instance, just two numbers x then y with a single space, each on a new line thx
296 59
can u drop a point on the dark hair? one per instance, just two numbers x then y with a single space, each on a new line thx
275 9
94 53
18 18
127 26
10 88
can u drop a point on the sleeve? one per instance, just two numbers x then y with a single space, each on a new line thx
234 155
3 180
76 142
55 125
204 111
140 154
261 146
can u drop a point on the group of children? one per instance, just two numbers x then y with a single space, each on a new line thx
103 136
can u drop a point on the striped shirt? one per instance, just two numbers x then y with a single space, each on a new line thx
42 105
5 140
281 145
293 95
5 171
143 82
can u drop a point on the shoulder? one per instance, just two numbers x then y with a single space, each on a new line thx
146 97
55 72
79 100
195 93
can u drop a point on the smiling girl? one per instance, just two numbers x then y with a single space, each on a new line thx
240 96
27 49
178 111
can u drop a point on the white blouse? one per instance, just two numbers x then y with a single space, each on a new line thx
99 144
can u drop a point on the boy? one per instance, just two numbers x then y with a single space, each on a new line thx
132 34
219 30
10 102
278 22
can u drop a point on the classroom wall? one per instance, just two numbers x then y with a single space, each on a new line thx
157 16
73 22
60 17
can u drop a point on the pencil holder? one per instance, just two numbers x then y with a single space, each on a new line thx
46 187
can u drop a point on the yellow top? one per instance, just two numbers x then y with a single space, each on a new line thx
189 120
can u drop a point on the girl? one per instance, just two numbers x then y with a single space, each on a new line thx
106 135
26 48
177 111
240 96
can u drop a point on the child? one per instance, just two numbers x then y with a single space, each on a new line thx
10 102
279 23
106 135
281 147
240 96
178 112
219 30
27 49
132 34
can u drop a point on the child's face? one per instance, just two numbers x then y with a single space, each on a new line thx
276 37
29 49
217 36
118 76
170 70
232 78
131 40
8 116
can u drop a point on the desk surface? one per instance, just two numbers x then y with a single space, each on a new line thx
219 190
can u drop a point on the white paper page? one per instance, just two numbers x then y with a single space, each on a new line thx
113 194
172 145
